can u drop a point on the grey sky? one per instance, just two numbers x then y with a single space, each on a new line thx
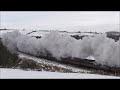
50 19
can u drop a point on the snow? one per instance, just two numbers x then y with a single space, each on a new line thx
38 33
43 32
25 31
103 49
20 74
53 63
4 31
94 28
109 53
90 57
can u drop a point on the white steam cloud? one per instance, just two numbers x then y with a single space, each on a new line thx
104 50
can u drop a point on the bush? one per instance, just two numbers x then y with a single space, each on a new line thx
29 64
7 59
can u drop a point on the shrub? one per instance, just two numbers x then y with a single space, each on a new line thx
7 59
29 64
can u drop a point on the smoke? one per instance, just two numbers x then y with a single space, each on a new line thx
10 40
104 50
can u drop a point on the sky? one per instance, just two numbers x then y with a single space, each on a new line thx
56 19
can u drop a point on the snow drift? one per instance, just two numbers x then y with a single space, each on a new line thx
20 74
104 50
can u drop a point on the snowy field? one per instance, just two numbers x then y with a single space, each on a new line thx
10 73
90 32
53 63
20 74
42 32
104 50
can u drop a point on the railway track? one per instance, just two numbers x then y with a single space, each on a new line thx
84 64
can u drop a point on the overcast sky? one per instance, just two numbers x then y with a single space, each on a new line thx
44 19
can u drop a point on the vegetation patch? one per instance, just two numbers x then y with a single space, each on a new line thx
7 59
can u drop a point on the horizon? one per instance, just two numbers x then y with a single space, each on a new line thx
57 20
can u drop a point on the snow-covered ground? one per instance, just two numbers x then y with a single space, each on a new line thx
53 63
20 74
72 30
10 73
43 33
38 33
4 31
94 28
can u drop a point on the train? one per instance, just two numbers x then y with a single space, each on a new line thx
80 63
